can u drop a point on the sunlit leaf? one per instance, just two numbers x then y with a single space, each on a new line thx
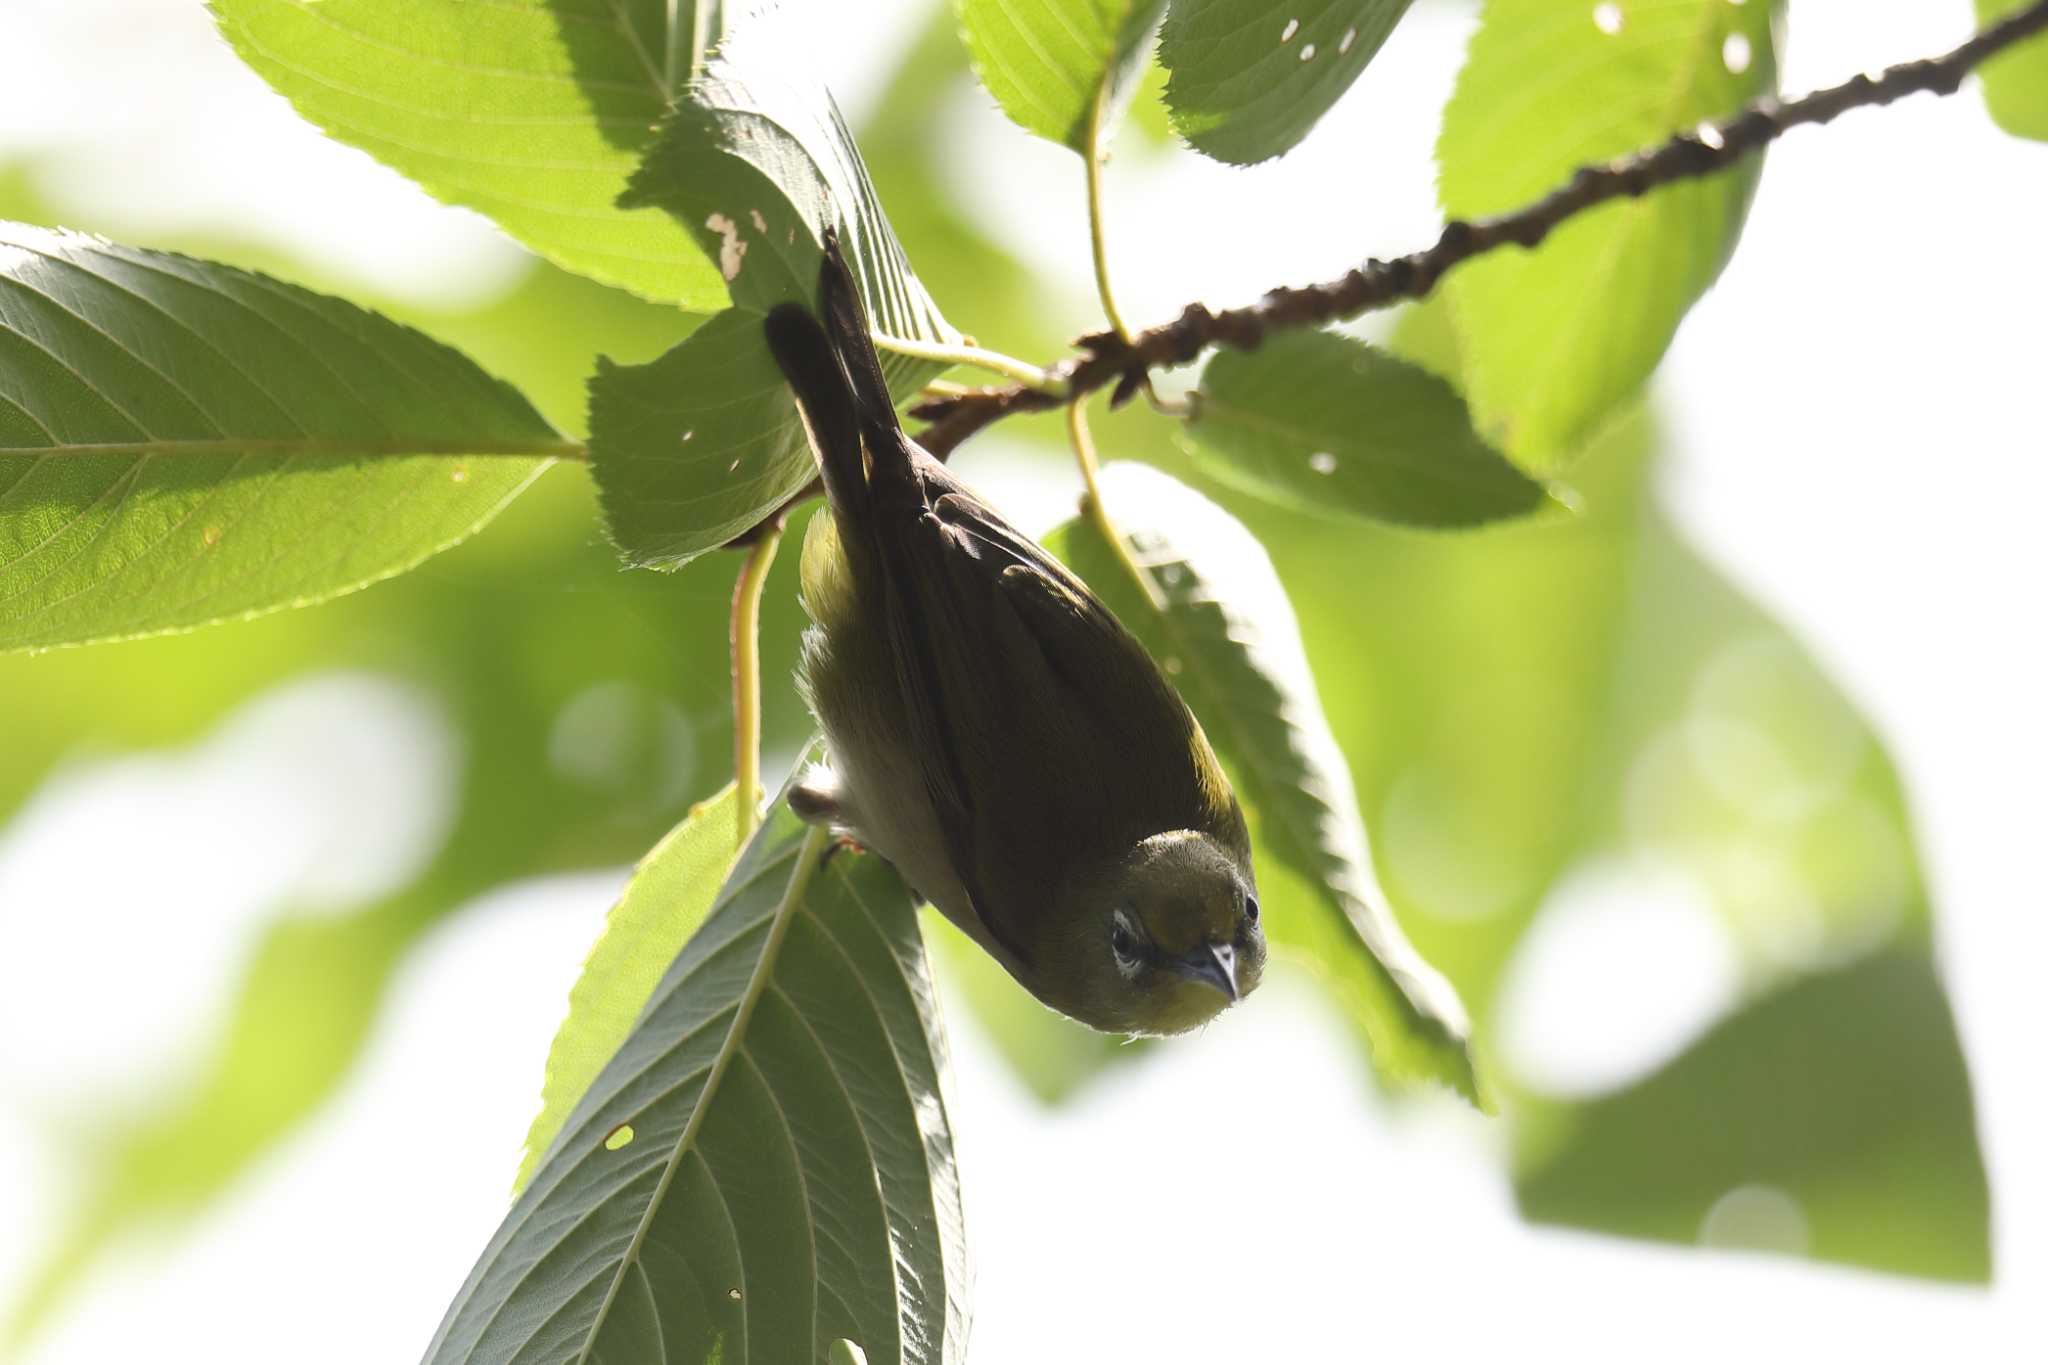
1555 339
664 903
1328 424
1048 62
1251 77
765 1167
182 442
1228 640
532 112
702 443
2016 81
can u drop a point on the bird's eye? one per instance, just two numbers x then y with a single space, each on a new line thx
1123 941
1251 909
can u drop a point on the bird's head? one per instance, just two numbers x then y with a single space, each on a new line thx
1162 940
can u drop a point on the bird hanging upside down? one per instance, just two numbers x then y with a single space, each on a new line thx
993 731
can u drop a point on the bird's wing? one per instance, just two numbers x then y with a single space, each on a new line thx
1041 722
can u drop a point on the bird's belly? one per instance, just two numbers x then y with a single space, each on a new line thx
883 802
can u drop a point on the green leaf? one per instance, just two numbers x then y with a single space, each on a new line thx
1229 641
1048 62
532 112
1838 1107
765 1166
1251 77
1573 697
183 442
1730 761
2016 80
666 900
757 163
1327 424
699 445
1555 339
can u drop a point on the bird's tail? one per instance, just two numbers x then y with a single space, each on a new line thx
832 367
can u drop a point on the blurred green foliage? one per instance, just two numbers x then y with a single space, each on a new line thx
1514 703
2016 82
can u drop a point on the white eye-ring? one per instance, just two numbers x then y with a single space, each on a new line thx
1124 944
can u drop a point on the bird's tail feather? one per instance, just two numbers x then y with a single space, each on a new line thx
843 396
824 398
846 324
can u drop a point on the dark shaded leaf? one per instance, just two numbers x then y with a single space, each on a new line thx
1330 425
764 1168
704 442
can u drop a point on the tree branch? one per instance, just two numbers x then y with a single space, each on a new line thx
1111 359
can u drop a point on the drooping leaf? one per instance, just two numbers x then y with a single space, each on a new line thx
1568 698
764 1167
1048 62
1251 77
671 889
1328 424
1831 1118
1733 764
1556 338
703 442
532 112
2016 80
183 442
1228 640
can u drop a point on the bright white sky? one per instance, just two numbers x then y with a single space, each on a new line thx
1861 434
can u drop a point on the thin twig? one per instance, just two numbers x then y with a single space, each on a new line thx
1109 359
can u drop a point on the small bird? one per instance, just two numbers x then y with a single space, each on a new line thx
993 731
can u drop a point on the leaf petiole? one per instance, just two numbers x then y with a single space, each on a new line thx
995 362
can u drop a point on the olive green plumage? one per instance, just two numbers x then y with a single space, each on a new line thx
992 729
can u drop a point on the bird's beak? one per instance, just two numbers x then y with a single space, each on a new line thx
1215 963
